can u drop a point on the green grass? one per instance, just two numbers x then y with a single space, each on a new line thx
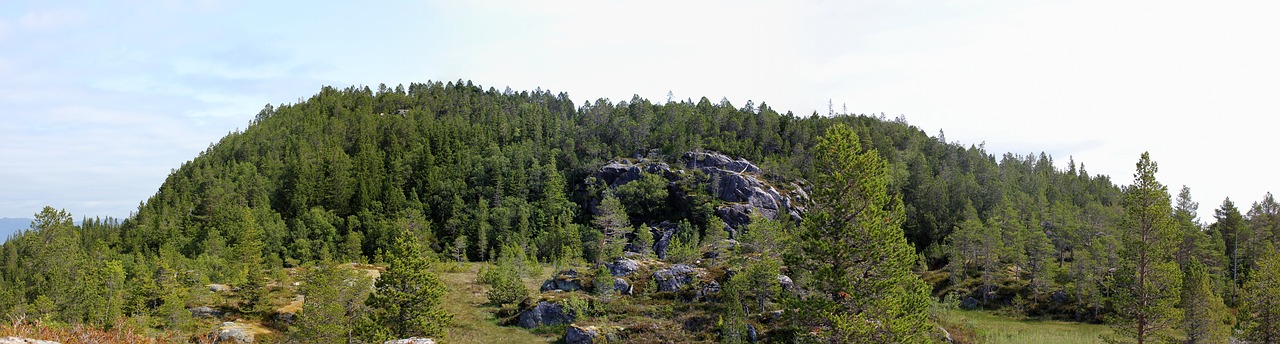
985 327
473 321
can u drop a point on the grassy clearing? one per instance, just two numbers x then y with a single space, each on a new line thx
473 321
985 327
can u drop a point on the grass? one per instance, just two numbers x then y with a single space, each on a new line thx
985 327
473 321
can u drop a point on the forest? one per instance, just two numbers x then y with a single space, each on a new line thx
340 219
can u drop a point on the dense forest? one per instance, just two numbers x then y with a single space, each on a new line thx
861 226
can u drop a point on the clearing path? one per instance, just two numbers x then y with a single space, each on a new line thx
473 321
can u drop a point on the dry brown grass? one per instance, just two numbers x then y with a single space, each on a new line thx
76 334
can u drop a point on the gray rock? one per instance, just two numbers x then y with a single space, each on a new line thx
205 312
214 288
662 239
623 267
675 277
752 335
720 161
786 282
544 313
566 280
580 335
414 340
621 286
708 291
234 332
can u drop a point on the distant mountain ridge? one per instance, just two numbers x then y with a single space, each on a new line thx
8 226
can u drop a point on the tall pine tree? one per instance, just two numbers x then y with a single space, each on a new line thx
1148 282
862 287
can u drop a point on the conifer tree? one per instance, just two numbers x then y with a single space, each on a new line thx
334 305
1260 308
1148 282
863 289
408 298
1204 314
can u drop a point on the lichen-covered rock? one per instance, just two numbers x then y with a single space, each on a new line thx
233 332
675 277
786 283
575 334
414 340
623 267
720 161
662 239
580 335
566 280
544 313
205 312
621 286
709 291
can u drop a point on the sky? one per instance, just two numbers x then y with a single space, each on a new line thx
100 100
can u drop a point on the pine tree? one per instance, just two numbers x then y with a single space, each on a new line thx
1204 314
334 305
408 298
1228 225
1148 282
611 218
1260 308
863 289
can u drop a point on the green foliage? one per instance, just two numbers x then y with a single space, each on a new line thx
683 250
407 298
334 309
1149 282
611 219
644 199
1205 318
643 239
602 281
1260 309
860 263
504 279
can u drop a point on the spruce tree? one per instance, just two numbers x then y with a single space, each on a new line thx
407 300
1204 314
1148 282
862 287
1260 296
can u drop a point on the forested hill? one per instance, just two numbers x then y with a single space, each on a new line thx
357 175
355 161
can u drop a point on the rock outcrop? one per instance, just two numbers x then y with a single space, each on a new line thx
544 313
621 286
676 277
414 340
735 181
205 312
576 334
623 267
234 332
566 280
20 340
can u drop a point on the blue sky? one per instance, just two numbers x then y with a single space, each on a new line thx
99 100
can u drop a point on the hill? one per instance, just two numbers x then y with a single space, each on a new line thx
10 226
683 190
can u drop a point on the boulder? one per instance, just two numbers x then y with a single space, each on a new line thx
662 238
786 283
720 161
413 340
233 332
214 288
618 173
621 286
580 335
675 277
709 290
205 312
566 280
544 313
1059 297
623 267
752 335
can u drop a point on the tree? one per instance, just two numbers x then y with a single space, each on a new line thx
1204 314
254 293
1260 308
1228 224
863 289
334 306
407 300
1148 282
611 218
644 198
